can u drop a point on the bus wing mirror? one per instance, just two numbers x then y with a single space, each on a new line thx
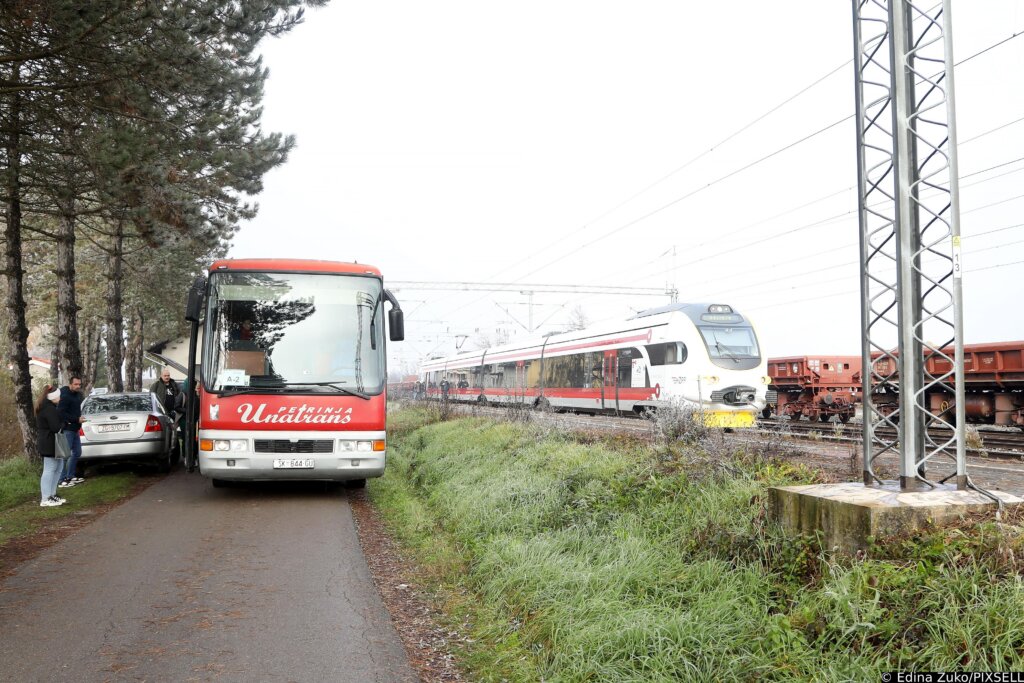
396 323
194 305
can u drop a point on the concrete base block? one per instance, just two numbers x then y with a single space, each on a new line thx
847 515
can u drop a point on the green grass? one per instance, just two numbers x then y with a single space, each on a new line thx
19 481
571 559
20 513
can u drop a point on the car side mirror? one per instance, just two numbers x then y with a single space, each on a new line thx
194 304
396 325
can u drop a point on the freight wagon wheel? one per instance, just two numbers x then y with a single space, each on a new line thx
766 412
844 417
823 417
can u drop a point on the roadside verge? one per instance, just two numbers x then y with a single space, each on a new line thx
26 529
572 556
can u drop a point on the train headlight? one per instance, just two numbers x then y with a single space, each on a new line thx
711 379
766 380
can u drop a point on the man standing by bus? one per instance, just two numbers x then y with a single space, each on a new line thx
70 410
167 392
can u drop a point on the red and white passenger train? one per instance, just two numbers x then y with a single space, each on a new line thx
704 356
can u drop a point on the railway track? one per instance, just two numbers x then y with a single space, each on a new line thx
994 444
998 444
999 465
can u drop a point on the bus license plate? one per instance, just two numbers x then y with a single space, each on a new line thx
292 464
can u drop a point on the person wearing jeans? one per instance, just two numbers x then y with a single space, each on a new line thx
48 426
70 409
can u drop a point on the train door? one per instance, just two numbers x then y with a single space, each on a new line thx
610 392
520 380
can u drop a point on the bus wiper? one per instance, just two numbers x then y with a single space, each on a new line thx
224 393
332 385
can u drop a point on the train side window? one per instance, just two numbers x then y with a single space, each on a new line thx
508 375
667 353
564 371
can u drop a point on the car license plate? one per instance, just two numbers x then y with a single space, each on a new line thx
113 428
292 464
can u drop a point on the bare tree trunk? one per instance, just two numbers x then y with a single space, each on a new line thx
55 365
133 354
68 343
91 360
17 330
115 317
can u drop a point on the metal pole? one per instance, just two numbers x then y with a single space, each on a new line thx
908 281
866 372
958 293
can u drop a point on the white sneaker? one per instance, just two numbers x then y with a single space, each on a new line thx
49 503
65 484
77 480
58 500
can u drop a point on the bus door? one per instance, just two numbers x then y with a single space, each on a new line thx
610 391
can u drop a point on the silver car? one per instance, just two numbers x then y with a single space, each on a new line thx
127 426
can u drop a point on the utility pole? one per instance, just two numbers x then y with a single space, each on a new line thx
911 306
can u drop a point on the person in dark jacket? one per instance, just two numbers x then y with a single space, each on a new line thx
48 426
167 392
70 409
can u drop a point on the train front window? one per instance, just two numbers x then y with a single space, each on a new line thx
303 331
731 347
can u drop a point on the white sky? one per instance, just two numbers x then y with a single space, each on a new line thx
481 141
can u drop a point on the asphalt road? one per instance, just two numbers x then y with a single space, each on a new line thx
186 582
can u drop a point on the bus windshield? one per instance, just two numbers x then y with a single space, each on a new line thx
299 331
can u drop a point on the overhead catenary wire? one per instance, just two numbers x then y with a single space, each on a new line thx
725 177
733 174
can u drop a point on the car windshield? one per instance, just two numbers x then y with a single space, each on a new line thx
304 331
117 403
735 343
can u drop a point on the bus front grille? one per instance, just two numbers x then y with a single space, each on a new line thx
300 446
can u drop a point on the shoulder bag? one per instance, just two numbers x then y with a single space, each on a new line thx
61 448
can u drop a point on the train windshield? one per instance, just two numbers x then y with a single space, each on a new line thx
731 347
294 332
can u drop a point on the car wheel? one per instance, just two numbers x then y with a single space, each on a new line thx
219 483
166 462
355 484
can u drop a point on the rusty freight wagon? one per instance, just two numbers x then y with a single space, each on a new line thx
993 384
815 387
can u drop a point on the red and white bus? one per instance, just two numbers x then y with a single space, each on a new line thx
290 372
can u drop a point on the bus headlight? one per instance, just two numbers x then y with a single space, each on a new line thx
345 446
236 445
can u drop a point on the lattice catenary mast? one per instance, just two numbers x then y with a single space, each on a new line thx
911 297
